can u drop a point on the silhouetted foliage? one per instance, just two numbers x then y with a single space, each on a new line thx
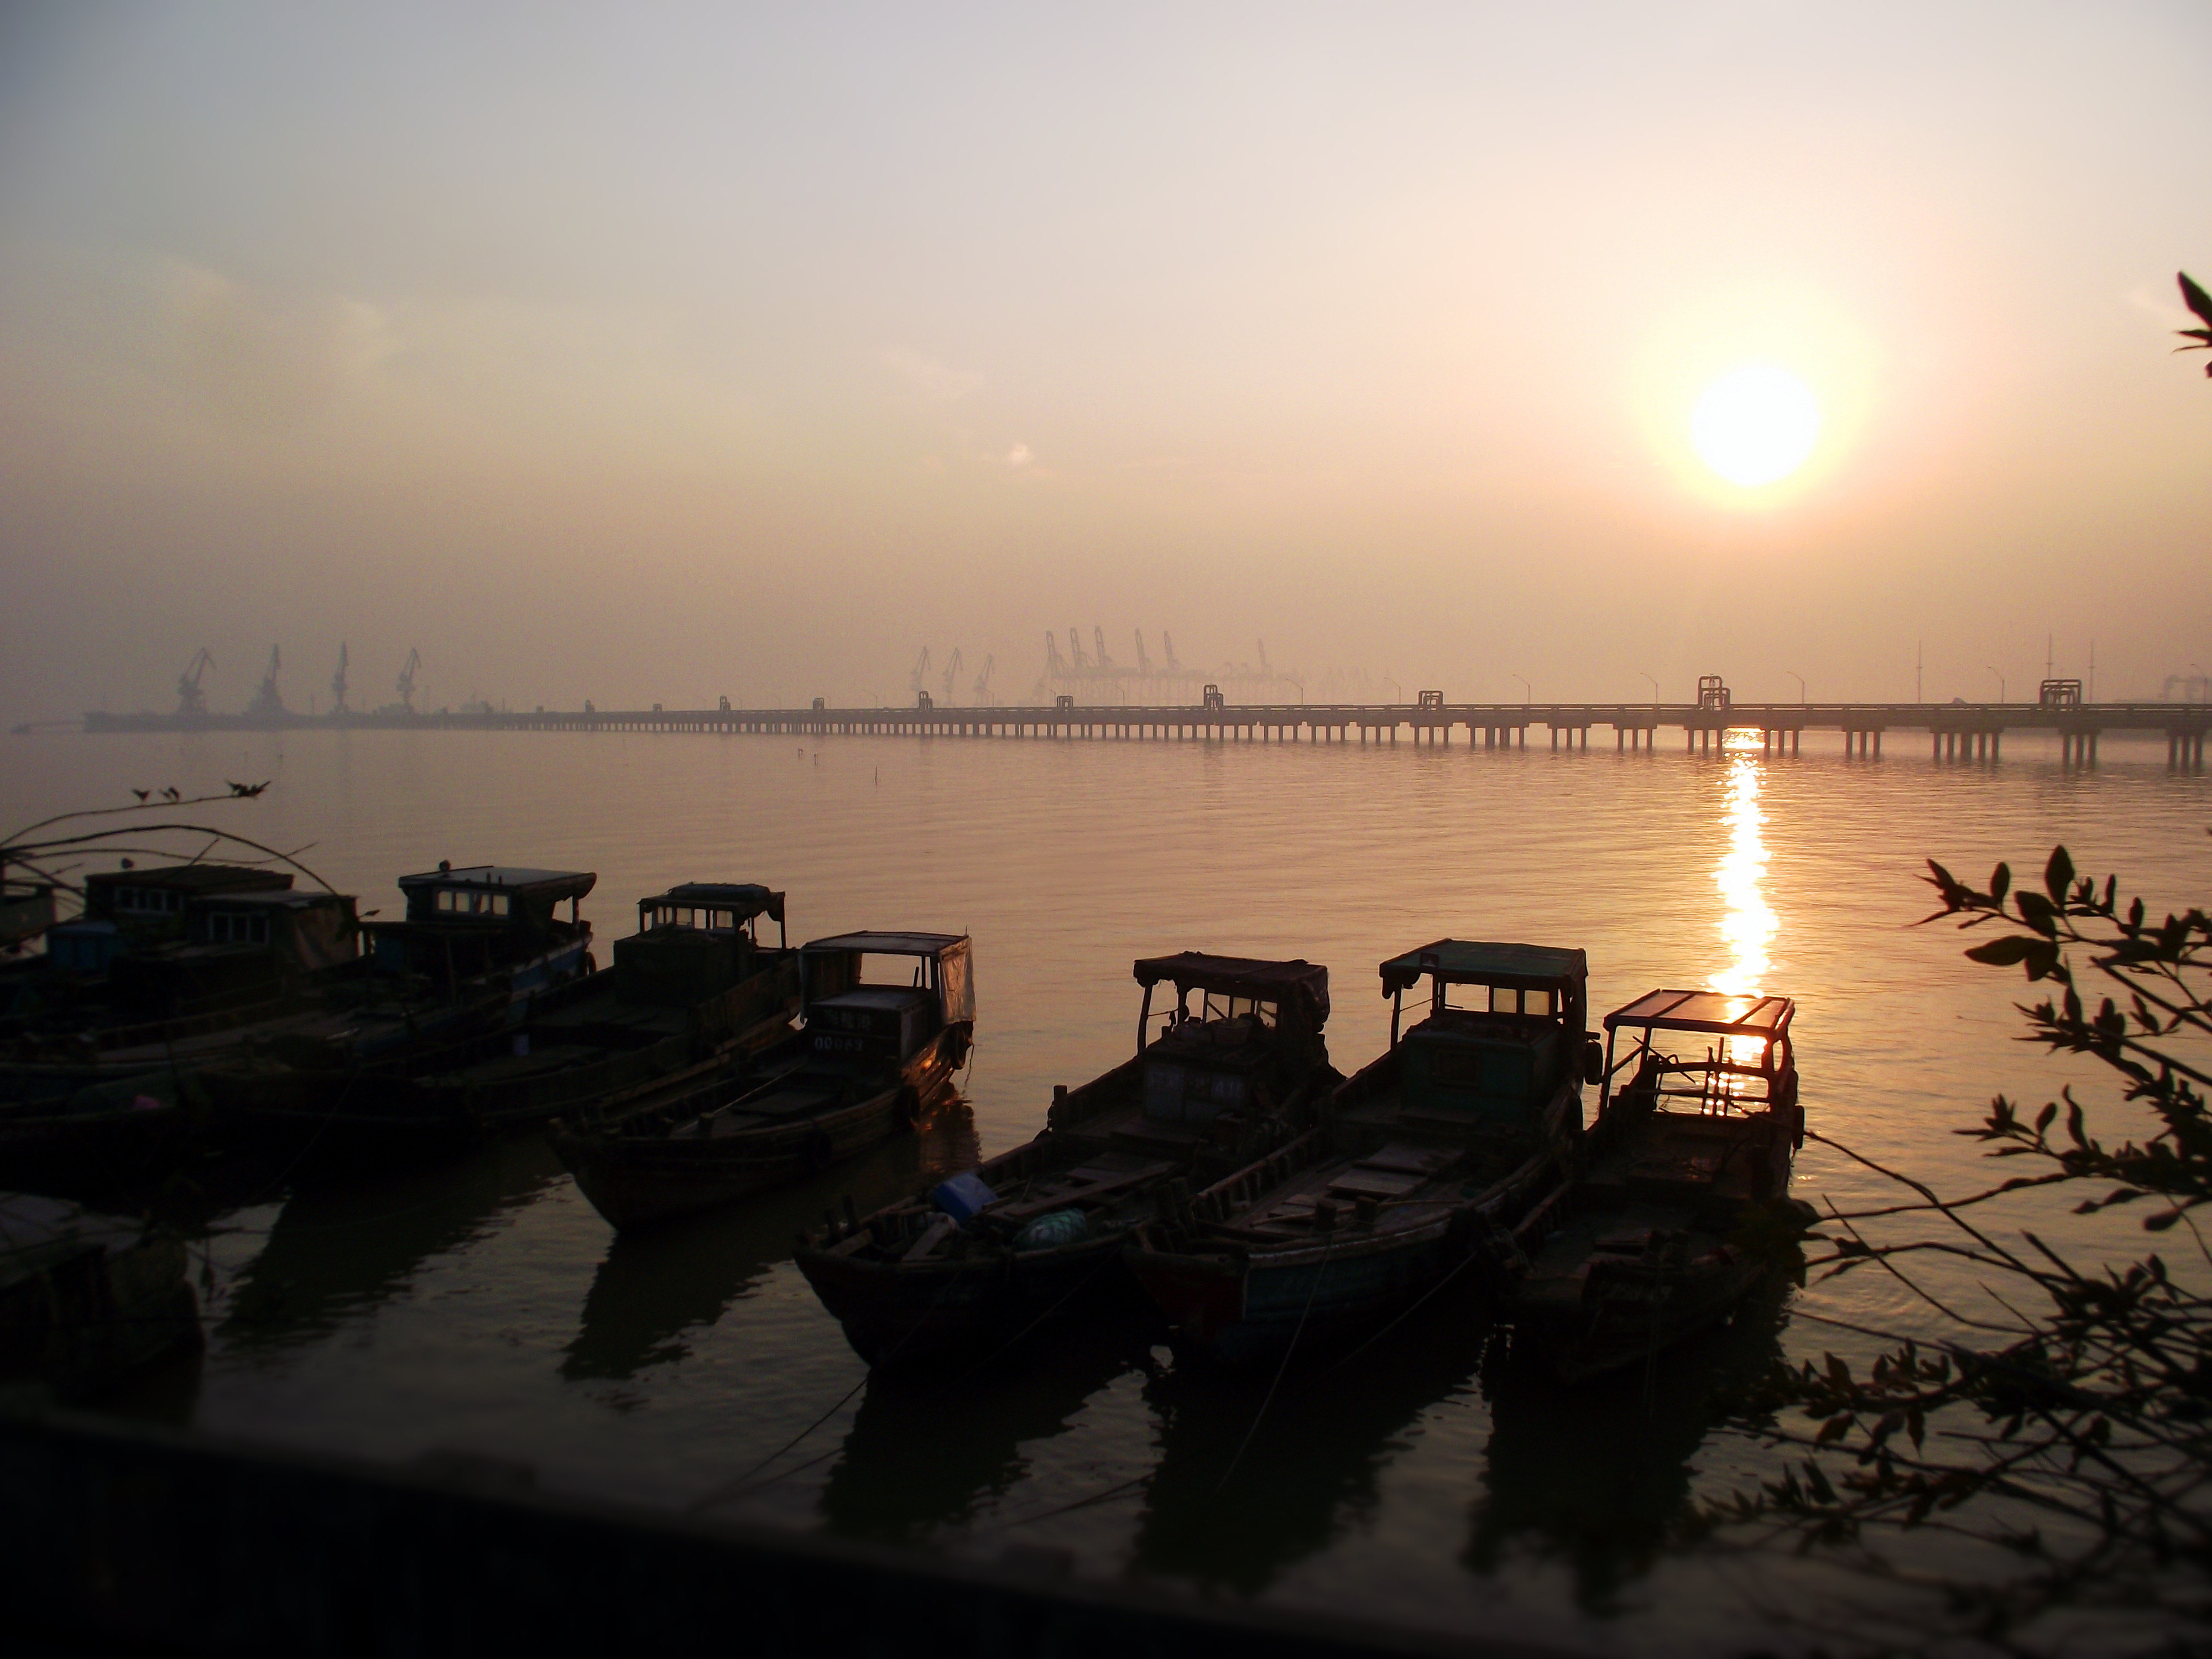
2074 1429
2200 303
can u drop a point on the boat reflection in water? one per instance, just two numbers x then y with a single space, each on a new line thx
1311 1468
656 1284
1598 1478
929 1451
337 1252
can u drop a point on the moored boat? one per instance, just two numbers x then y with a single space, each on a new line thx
1030 1233
1420 1158
691 993
1650 1243
85 1298
166 971
872 1056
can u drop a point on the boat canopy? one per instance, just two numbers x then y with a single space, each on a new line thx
748 898
830 966
1714 1012
889 944
1475 962
1302 982
726 904
518 881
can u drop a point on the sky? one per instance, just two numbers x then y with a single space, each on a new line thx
659 354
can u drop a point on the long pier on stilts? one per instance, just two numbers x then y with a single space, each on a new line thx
1956 732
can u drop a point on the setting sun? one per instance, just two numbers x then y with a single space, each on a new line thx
1755 425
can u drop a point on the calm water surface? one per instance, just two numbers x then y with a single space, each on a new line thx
485 1306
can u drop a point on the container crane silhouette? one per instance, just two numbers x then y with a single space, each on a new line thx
982 689
407 679
1167 644
192 701
338 683
1144 662
953 664
920 668
1105 662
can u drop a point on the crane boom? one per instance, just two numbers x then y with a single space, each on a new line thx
190 699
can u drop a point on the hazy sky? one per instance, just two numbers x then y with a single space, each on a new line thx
663 353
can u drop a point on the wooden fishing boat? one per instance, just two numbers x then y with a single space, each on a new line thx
1447 1138
691 993
167 970
1648 1243
873 1054
170 960
85 1298
1033 1231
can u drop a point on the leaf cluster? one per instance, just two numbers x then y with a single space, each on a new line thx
2200 303
2075 1430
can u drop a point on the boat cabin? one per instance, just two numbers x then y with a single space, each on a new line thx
240 947
129 909
27 910
1506 1028
465 922
694 941
1714 1077
1255 1034
877 998
1749 1062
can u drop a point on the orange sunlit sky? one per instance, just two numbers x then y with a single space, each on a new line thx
663 353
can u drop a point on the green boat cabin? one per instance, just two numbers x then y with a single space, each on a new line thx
1507 1025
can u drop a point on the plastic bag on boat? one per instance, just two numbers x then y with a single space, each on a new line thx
1053 1229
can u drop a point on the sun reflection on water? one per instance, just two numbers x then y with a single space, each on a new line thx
1749 922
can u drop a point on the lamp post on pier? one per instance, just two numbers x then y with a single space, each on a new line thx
1527 696
2001 683
1654 678
1799 678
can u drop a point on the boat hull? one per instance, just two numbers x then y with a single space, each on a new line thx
1241 1311
905 1313
640 1180
335 1123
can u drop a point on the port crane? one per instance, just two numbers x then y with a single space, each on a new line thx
407 679
338 683
953 664
982 689
915 676
192 701
269 700
1144 662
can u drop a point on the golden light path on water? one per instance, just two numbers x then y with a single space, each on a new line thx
1747 921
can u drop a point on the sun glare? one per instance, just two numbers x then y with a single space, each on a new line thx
1755 425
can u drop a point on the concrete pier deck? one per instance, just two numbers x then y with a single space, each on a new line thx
1955 731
